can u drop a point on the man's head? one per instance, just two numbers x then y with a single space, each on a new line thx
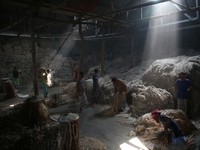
155 114
48 70
182 75
96 70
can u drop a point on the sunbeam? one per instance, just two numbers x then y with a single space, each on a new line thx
162 38
133 144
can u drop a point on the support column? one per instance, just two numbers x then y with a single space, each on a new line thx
102 50
82 48
132 52
34 60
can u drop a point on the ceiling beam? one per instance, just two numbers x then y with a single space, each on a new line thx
62 11
185 7
86 9
13 24
69 22
127 9
54 8
165 15
73 12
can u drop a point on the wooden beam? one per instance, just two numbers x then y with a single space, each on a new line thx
53 8
73 12
82 48
132 51
86 9
102 50
14 24
61 11
69 22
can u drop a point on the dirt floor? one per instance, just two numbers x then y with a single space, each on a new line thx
113 131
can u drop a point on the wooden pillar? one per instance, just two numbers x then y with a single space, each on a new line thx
38 112
68 134
102 50
9 89
82 48
132 52
34 60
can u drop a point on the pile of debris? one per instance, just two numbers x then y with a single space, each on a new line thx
18 132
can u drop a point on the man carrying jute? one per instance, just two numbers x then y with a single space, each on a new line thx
118 99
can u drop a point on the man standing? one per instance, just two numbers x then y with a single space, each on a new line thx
15 73
119 98
43 79
95 79
52 77
183 86
49 78
81 91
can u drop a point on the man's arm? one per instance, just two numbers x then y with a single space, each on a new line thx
123 87
189 87
168 123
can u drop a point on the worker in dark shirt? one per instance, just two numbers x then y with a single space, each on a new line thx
96 88
177 139
183 86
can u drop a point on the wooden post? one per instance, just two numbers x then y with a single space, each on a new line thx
34 60
38 112
132 54
82 48
68 134
102 50
9 89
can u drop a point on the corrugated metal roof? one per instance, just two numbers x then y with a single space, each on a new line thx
54 17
